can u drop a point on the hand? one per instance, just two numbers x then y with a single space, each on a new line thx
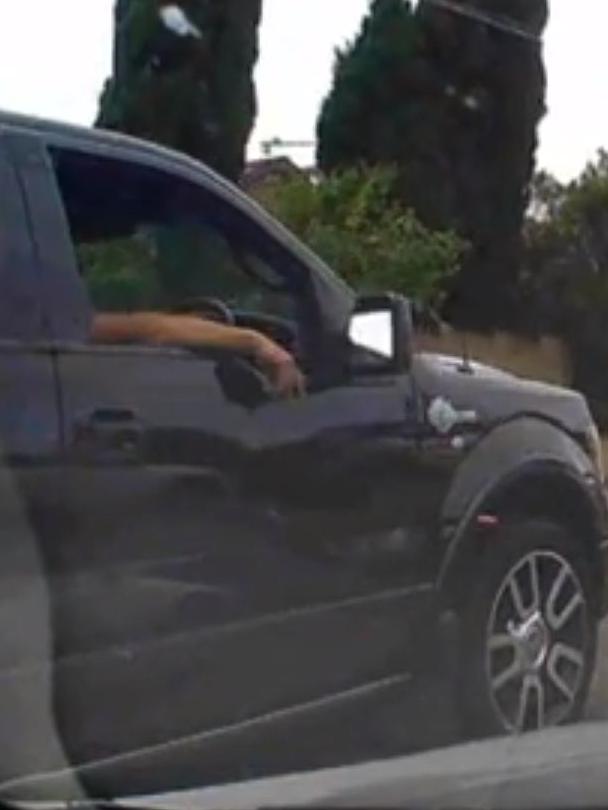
280 367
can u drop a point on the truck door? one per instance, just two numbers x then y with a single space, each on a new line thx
180 567
171 570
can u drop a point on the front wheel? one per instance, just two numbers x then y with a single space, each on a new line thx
530 632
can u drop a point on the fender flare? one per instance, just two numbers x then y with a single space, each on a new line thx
523 447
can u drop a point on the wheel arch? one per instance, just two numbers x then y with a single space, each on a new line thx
556 482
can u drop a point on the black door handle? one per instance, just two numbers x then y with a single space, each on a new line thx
109 435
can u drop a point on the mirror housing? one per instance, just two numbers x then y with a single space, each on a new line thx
381 334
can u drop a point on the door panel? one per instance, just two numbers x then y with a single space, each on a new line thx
31 457
171 479
182 570
31 451
151 446
344 464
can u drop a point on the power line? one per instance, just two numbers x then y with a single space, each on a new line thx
501 23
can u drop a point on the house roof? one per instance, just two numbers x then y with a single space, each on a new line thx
259 172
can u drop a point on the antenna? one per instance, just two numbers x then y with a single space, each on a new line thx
466 367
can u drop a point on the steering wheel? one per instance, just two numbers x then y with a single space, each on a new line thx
211 308
243 382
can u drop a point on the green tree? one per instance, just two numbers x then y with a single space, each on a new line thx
453 99
121 275
567 247
188 89
547 196
355 125
351 220
567 272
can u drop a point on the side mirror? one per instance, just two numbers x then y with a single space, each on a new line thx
381 334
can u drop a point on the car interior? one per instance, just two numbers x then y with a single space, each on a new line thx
154 229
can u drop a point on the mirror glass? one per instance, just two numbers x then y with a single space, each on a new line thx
374 331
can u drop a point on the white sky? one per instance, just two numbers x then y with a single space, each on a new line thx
55 55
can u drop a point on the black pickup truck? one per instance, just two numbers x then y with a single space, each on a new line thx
237 583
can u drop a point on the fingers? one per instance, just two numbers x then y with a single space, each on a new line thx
301 388
281 368
289 381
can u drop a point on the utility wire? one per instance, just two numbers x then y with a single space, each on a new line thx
501 23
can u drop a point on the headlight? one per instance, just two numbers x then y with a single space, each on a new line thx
595 450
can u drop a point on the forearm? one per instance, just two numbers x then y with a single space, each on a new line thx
173 330
193 331
183 330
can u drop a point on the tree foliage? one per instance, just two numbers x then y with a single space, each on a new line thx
567 269
454 104
352 221
121 275
192 92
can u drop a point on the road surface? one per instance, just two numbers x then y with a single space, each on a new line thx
598 704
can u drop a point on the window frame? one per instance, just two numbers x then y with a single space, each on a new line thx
297 287
327 301
23 320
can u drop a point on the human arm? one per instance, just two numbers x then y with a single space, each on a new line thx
185 330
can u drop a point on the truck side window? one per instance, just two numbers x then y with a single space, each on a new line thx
146 240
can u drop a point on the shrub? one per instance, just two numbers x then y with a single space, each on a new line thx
352 221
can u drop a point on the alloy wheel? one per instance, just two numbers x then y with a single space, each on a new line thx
537 641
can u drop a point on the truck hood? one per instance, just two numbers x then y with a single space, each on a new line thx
491 395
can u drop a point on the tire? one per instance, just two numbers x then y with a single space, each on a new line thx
529 632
